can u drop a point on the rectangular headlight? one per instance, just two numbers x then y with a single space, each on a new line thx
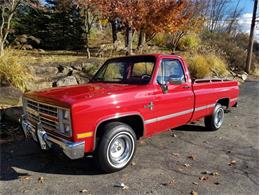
65 122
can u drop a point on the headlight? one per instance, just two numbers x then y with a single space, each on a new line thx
66 114
65 122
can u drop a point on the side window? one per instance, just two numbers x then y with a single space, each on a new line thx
170 69
142 68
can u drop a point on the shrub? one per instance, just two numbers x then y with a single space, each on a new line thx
160 39
12 72
202 66
189 43
232 48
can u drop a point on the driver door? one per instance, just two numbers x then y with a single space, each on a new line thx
175 107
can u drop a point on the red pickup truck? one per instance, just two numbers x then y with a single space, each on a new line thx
127 99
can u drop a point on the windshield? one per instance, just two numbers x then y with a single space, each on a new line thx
127 70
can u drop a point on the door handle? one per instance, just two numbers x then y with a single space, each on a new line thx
186 87
150 106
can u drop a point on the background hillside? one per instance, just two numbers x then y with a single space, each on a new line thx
63 42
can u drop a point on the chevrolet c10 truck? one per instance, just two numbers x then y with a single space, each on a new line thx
129 98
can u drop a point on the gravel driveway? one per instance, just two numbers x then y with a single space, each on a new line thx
189 159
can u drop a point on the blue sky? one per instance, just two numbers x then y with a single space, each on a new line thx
246 17
247 5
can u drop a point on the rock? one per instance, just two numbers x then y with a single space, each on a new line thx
27 47
65 70
81 79
244 76
77 67
13 114
69 80
32 86
10 95
41 50
44 70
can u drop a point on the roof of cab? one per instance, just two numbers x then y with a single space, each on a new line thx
143 55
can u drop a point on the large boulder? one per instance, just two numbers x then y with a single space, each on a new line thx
69 80
10 95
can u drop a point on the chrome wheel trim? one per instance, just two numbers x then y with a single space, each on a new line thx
120 149
219 117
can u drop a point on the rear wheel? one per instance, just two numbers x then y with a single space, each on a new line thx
215 121
116 148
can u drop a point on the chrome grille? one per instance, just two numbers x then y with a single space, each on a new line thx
45 114
46 109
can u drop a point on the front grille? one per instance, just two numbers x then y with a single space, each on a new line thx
46 109
47 115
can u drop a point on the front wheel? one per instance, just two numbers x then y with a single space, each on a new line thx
215 121
116 148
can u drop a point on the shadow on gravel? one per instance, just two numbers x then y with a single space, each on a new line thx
27 155
197 128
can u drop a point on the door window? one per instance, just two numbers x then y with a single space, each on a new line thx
170 69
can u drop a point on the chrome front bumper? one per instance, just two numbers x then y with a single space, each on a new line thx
73 150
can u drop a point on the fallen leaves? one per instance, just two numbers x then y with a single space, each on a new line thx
83 191
195 183
40 179
133 163
203 178
215 173
175 154
174 135
192 157
187 165
171 183
25 177
216 183
194 193
232 163
142 142
122 186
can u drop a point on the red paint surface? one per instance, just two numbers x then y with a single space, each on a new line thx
93 103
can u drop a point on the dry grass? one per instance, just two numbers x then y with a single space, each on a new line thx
31 57
12 71
202 66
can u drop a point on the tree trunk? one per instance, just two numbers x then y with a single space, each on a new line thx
114 31
129 40
141 40
1 48
87 46
251 40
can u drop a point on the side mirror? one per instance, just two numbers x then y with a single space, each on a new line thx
164 87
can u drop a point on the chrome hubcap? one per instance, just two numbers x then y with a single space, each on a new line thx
219 117
120 150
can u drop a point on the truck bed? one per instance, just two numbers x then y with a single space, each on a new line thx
208 91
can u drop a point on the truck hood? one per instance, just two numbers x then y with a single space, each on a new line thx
66 96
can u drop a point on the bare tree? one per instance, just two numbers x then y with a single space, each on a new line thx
7 10
90 15
216 13
232 21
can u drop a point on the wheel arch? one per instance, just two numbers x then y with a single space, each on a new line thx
224 102
135 121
